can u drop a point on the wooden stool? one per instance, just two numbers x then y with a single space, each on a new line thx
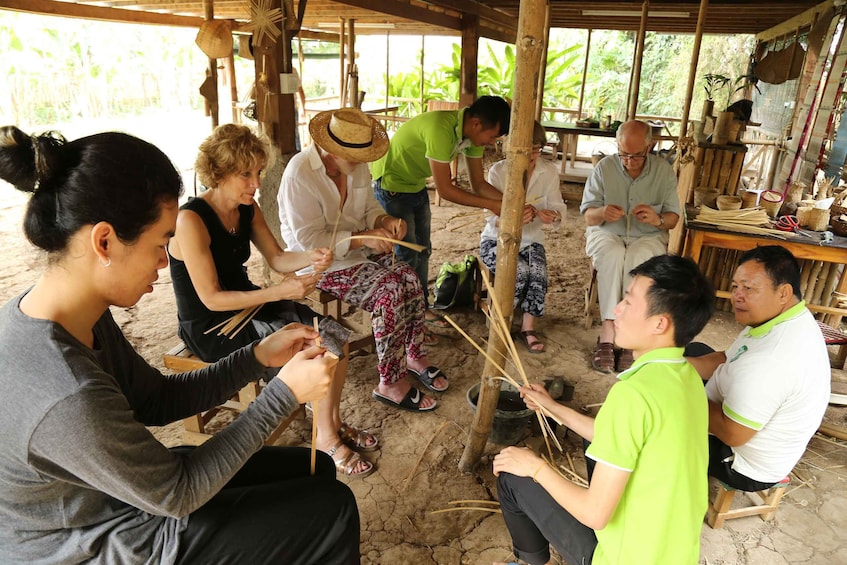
180 359
362 328
719 511
592 303
832 336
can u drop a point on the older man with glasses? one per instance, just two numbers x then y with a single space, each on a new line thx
629 204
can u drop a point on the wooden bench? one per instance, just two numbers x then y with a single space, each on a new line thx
719 511
180 359
354 319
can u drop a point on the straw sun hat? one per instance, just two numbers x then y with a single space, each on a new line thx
350 134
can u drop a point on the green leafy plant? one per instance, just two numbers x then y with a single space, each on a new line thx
712 83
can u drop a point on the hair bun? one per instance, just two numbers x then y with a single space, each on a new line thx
27 161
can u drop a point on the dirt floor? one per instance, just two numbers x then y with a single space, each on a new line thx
418 460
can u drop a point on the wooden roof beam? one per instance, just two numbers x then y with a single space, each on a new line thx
70 10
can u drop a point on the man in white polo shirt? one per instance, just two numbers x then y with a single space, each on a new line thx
768 391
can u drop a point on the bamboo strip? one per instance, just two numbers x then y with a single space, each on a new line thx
820 282
706 171
494 502
315 403
494 510
247 319
412 246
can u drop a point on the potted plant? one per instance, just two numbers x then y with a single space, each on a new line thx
712 83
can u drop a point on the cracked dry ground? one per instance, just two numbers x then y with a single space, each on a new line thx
418 461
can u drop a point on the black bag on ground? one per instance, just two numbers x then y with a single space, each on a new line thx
454 285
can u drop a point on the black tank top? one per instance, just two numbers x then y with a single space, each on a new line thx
230 253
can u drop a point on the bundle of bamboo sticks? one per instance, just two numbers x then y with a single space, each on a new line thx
747 220
234 324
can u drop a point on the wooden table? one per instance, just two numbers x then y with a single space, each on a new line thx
568 137
803 248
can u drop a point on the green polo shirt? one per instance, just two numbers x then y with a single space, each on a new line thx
654 424
435 135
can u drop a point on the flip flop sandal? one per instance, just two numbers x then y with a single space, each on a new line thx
356 439
529 346
604 357
349 462
411 402
427 377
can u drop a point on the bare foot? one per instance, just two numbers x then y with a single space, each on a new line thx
398 390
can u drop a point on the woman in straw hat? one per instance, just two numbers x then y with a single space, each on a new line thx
83 478
208 255
325 198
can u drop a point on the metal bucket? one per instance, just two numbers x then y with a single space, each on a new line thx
510 418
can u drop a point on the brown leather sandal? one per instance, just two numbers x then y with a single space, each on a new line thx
603 359
356 439
347 464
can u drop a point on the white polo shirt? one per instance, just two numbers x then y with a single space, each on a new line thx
775 381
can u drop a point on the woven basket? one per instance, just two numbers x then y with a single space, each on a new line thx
795 191
215 38
818 219
748 199
726 202
771 201
705 196
838 226
804 214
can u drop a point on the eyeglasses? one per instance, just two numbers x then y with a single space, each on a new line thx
633 156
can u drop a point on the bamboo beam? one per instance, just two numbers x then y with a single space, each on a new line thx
692 69
468 82
529 48
69 10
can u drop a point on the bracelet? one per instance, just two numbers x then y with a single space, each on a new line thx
542 465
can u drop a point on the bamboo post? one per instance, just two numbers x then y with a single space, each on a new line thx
735 172
233 88
723 173
342 72
209 15
706 167
692 69
530 40
635 83
584 77
353 78
423 80
542 76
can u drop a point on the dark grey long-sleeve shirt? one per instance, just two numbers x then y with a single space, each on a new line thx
81 478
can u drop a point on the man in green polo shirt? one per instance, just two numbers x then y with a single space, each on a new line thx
424 147
648 490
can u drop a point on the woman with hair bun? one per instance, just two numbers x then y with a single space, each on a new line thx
83 478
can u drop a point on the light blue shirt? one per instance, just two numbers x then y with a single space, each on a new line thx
609 183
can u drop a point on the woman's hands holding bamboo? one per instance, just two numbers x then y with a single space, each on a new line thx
321 259
396 227
548 216
309 374
297 286
276 349
378 245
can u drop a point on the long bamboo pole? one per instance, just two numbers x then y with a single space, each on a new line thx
209 15
692 69
584 77
530 44
635 83
542 76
